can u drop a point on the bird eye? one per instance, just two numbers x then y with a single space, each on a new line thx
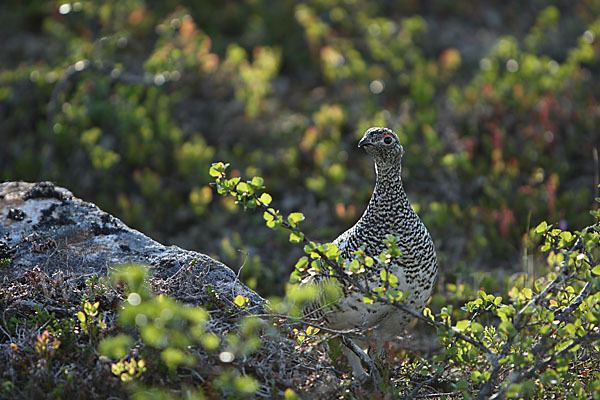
387 140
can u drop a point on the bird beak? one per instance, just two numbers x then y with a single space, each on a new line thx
364 142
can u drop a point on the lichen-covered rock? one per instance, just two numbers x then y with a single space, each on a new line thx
44 226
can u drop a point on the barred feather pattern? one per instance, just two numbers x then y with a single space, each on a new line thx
388 212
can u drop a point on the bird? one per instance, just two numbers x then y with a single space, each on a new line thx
388 213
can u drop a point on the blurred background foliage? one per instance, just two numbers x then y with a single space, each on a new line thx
127 103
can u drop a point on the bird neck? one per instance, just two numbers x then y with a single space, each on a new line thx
388 211
388 186
388 175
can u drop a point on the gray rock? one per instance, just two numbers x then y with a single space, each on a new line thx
44 226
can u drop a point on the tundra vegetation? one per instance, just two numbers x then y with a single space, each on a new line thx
131 104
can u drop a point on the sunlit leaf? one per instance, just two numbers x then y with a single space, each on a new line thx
542 227
462 325
266 198
240 300
294 218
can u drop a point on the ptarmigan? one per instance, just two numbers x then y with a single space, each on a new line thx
388 212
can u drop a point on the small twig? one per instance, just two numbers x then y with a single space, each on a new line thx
45 307
6 333
413 393
374 371
237 276
172 277
433 395
564 313
344 332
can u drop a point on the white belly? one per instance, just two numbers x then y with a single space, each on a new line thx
353 312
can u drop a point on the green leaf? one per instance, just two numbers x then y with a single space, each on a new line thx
506 327
545 248
462 325
596 270
271 220
476 327
353 266
295 276
310 247
566 236
213 171
257 182
173 357
302 263
315 265
268 216
296 237
542 227
91 309
463 385
217 168
574 348
240 300
81 316
245 385
368 300
591 317
243 188
427 313
390 239
115 346
289 394
398 296
210 341
331 250
294 218
476 376
383 274
387 277
266 199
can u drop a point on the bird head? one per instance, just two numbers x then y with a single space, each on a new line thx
384 146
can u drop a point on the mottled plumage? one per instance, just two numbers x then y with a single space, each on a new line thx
388 212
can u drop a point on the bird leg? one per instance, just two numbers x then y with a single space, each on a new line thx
362 356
